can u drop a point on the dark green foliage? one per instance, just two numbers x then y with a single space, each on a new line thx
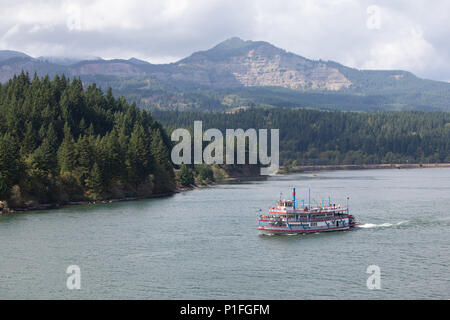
312 137
186 176
162 166
29 140
205 173
4 187
66 153
10 164
44 157
138 160
59 142
95 183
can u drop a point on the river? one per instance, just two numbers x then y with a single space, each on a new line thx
204 244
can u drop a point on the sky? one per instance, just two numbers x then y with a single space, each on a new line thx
377 34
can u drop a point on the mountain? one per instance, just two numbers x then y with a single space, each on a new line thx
235 63
9 54
65 61
13 62
238 73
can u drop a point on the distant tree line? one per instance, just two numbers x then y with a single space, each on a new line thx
312 137
60 142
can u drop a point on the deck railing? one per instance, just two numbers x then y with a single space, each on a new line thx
301 219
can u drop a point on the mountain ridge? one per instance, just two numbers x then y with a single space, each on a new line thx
228 72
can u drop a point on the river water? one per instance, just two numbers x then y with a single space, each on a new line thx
204 244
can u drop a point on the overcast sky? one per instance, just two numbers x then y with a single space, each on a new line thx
378 34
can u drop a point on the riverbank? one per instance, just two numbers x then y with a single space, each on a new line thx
44 206
312 168
4 209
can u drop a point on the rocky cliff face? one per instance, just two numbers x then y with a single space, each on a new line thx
247 63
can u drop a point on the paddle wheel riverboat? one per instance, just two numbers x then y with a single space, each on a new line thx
291 216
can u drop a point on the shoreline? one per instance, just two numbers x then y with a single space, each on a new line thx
50 206
282 171
314 168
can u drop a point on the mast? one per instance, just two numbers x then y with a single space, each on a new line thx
347 204
309 198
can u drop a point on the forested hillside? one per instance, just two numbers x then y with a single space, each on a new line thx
311 137
60 142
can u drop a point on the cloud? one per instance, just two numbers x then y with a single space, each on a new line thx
380 34
409 49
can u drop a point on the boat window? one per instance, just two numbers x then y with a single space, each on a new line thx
286 204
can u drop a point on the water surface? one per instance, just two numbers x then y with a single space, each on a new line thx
203 244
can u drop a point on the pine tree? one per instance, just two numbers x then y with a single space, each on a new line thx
94 182
10 164
138 160
66 151
114 156
82 127
44 158
29 140
162 167
205 173
4 187
90 131
84 157
186 176
52 138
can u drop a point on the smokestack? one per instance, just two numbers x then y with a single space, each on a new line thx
293 197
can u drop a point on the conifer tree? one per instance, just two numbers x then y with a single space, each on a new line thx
114 156
44 158
138 156
84 157
94 182
10 164
4 187
29 140
66 151
82 126
162 167
186 176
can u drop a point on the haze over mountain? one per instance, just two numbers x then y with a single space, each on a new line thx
238 73
9 54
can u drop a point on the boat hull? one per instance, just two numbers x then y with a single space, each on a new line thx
270 230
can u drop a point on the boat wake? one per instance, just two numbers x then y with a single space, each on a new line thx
381 225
